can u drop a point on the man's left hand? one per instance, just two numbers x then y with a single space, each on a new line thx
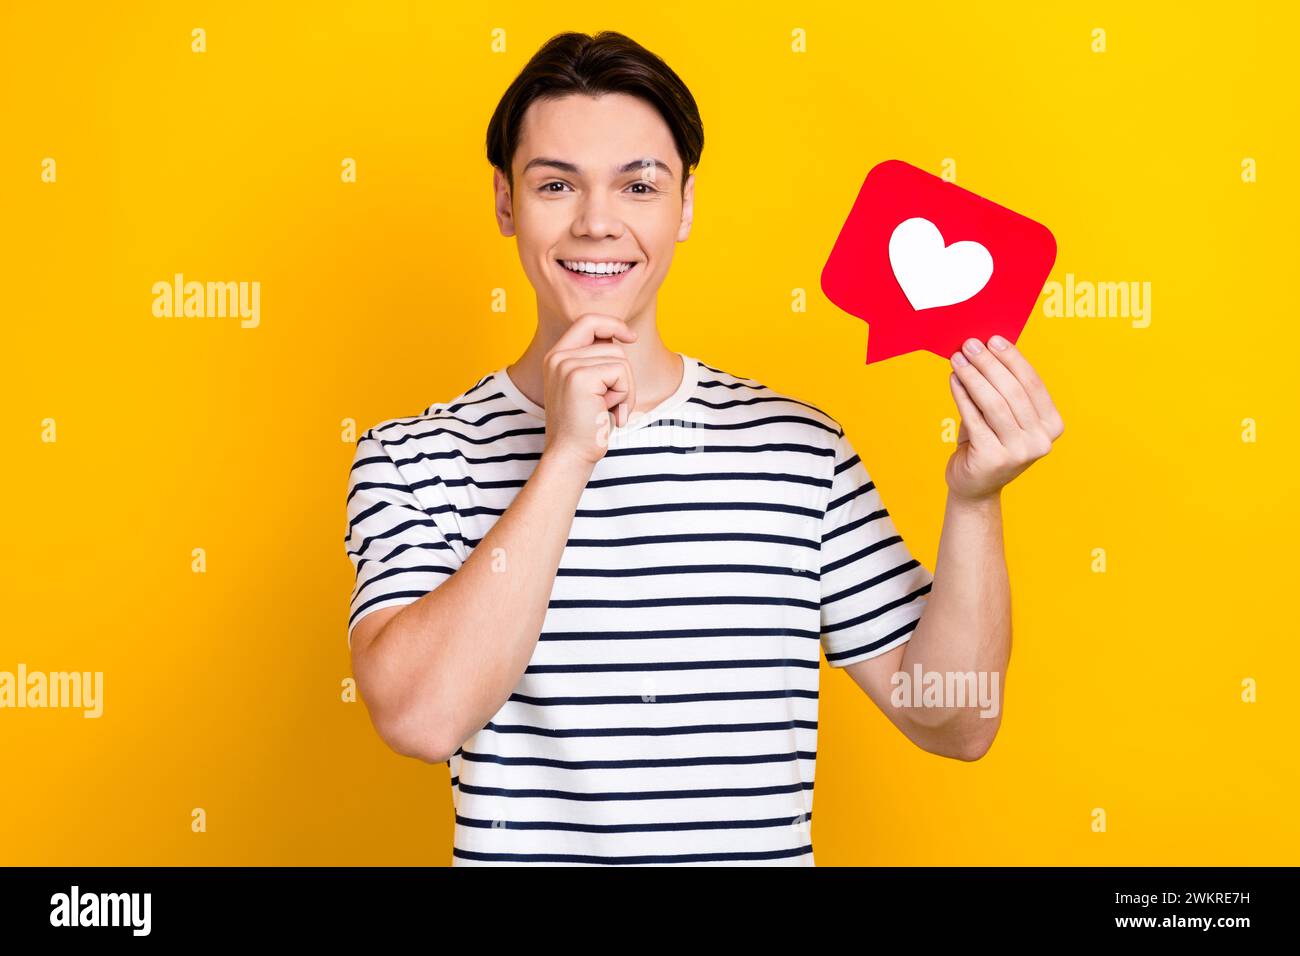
1008 420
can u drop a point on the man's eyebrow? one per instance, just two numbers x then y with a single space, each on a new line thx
659 164
628 167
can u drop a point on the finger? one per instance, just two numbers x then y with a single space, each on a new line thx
971 418
614 350
1008 386
601 350
567 364
997 413
587 328
1032 383
623 397
610 380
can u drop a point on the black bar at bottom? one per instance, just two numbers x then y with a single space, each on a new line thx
913 904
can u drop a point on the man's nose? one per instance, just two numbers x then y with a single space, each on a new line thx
597 216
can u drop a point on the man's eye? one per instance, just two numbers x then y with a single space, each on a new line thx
546 186
649 189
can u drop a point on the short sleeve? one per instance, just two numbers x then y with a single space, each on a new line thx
872 590
396 546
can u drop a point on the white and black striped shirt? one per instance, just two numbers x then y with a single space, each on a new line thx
669 712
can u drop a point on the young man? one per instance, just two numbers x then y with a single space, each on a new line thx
596 583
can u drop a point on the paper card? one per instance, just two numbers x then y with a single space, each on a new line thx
928 264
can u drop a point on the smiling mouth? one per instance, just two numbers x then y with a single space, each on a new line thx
598 280
605 270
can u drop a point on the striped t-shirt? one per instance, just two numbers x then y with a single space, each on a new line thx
669 712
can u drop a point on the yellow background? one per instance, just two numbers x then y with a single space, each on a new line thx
222 690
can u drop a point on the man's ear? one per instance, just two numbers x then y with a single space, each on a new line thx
504 203
688 209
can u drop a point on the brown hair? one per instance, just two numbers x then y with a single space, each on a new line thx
607 62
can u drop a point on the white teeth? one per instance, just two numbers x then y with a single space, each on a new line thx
596 268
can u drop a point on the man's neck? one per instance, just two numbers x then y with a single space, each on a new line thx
656 369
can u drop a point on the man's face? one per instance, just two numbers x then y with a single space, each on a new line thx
587 188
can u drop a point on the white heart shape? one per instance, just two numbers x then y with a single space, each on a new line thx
931 274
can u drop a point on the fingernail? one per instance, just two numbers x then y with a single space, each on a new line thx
973 346
958 360
999 343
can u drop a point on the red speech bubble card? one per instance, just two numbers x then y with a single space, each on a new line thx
928 264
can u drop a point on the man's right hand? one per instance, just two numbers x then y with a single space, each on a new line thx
420 666
587 374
